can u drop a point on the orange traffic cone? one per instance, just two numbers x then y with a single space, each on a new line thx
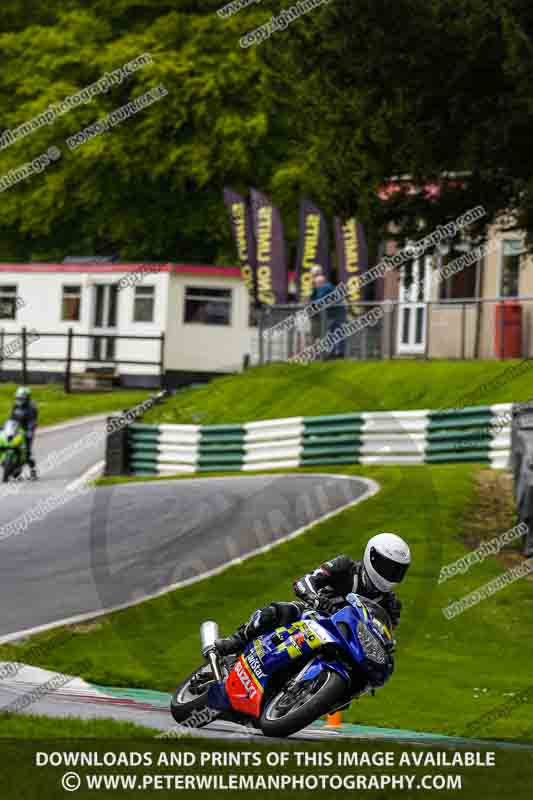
334 720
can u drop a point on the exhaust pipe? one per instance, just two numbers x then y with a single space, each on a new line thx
208 636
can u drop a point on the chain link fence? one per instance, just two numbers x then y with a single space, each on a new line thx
465 329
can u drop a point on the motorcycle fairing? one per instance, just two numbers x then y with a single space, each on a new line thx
217 697
11 436
266 655
296 640
318 665
377 674
244 689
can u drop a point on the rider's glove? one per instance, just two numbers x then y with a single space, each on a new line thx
329 604
310 600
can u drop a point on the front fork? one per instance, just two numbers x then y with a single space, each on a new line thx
212 657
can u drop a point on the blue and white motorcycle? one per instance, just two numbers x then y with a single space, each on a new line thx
287 679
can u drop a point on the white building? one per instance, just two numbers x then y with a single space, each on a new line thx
203 312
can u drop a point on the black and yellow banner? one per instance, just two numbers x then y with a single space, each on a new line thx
241 222
313 249
271 253
352 256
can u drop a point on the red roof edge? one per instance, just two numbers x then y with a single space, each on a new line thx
187 269
95 267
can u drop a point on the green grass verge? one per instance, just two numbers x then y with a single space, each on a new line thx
56 406
21 726
286 390
449 673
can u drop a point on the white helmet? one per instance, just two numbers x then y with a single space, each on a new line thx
386 560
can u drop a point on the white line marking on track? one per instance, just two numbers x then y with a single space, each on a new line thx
76 423
89 475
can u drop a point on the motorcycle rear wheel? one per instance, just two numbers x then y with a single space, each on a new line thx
290 711
189 709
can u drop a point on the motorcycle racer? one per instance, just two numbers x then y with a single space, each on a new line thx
26 414
386 560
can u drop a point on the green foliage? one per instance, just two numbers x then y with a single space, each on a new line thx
346 96
152 186
421 88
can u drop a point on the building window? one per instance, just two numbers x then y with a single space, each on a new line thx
71 304
512 250
143 304
8 302
208 306
461 284
103 348
105 305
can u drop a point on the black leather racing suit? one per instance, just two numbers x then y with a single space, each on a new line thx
325 588
334 579
26 414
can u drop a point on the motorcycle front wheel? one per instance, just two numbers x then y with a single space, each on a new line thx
188 707
297 705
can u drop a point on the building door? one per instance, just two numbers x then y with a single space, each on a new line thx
104 321
415 291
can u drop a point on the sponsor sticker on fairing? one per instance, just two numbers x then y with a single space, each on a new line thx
259 649
255 665
318 632
245 679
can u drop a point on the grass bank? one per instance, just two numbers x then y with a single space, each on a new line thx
284 390
56 406
15 726
449 674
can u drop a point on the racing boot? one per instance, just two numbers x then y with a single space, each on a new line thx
33 470
232 645
261 621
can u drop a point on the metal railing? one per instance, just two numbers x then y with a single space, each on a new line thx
462 329
15 347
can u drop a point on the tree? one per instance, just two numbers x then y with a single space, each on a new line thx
420 87
347 96
152 186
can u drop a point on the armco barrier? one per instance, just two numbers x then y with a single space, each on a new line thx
522 468
476 434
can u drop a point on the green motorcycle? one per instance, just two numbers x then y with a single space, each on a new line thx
13 451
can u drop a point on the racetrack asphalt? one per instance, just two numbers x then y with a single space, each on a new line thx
113 546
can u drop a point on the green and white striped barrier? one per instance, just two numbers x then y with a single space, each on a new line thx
476 434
